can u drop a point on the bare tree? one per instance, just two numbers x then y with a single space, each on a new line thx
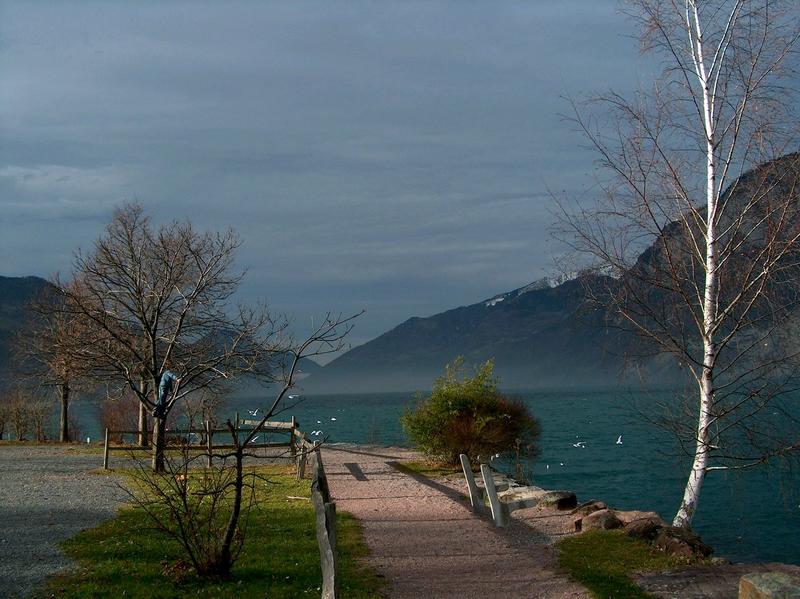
693 169
5 412
203 407
48 351
17 403
206 511
159 300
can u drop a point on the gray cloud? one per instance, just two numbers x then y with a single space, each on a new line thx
393 155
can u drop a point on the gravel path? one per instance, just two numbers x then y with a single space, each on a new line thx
47 494
426 542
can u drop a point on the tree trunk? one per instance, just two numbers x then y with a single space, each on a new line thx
142 437
691 493
63 435
223 568
159 442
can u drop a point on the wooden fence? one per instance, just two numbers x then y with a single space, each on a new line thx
302 451
205 436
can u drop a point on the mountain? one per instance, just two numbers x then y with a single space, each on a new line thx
15 293
549 334
538 335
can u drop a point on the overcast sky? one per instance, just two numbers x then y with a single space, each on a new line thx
393 156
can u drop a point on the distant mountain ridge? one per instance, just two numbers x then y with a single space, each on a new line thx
15 294
538 335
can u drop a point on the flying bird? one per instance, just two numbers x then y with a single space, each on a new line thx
619 440
253 412
581 444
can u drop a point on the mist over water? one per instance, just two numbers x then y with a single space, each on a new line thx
751 516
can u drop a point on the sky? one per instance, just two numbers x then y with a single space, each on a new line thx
397 157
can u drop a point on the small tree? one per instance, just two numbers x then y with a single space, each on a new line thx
39 411
18 413
48 351
5 412
206 509
469 415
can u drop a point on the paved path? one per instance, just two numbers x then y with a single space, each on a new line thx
426 542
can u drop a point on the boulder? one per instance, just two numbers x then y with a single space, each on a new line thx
600 520
628 517
644 528
588 507
682 542
769 585
562 500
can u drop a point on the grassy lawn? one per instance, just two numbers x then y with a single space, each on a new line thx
280 559
602 559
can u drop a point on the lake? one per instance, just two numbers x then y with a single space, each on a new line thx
752 516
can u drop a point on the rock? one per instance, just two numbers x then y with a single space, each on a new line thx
588 507
628 517
682 542
600 520
720 561
769 585
562 500
644 528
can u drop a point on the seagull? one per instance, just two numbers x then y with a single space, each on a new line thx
547 466
253 412
318 422
293 396
581 444
619 440
494 457
333 419
316 433
561 463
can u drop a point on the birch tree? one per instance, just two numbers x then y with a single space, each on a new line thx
160 299
697 167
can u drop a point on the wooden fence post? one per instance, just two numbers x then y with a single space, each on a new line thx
301 464
208 442
105 452
330 582
325 511
292 446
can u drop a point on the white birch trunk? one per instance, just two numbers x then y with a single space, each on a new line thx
694 484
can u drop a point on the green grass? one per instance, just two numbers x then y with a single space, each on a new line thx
427 469
280 559
602 560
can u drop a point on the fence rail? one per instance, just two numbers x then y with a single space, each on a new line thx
302 451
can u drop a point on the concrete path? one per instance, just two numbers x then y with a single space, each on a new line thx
426 542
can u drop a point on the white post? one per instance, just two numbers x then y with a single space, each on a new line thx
476 497
494 500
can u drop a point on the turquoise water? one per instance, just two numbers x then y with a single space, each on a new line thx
746 517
